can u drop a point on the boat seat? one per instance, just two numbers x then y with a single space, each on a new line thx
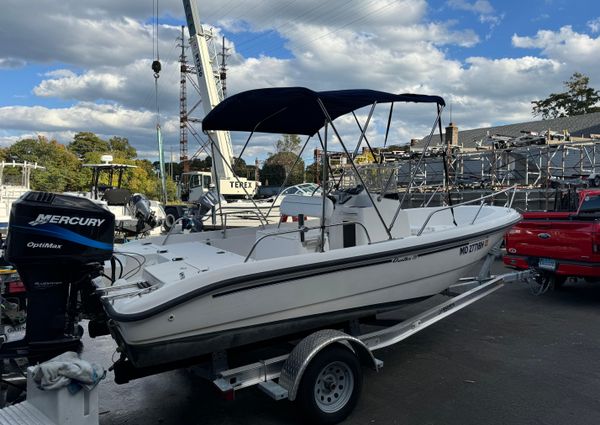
309 206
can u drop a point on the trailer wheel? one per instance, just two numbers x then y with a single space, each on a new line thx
330 386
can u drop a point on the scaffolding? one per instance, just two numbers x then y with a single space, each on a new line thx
536 169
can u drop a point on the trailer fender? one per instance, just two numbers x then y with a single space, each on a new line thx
309 347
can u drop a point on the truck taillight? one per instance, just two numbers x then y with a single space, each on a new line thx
596 243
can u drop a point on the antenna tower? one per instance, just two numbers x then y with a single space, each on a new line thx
183 114
223 68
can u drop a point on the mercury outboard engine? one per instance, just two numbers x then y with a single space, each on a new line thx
139 206
193 219
58 243
207 202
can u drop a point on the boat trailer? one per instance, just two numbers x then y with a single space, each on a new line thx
322 373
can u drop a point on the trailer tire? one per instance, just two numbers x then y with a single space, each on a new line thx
330 386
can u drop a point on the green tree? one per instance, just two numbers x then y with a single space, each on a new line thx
288 143
241 168
121 144
62 166
85 142
281 165
578 99
201 164
272 174
313 173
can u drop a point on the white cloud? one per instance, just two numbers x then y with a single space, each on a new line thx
131 85
11 63
103 119
594 25
482 7
567 46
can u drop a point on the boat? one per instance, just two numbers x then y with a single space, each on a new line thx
11 189
135 214
170 299
242 213
209 291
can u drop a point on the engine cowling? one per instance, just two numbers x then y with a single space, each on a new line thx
58 244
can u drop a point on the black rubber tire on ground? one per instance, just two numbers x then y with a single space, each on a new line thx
169 221
338 367
558 281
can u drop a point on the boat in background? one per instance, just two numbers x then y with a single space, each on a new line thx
135 214
12 187
243 213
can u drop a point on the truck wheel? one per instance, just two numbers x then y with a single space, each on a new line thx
169 221
330 386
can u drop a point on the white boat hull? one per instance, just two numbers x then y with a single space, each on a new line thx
279 296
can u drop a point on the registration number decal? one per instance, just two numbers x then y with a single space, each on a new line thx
473 247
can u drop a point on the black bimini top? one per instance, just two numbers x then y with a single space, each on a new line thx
295 110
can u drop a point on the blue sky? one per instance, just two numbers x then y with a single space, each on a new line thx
84 66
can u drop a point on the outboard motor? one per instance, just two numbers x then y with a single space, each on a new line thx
139 206
193 219
207 202
58 243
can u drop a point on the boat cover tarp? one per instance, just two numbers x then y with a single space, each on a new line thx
295 110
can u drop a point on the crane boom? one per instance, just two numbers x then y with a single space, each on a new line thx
211 94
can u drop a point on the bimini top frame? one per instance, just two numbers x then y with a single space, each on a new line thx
298 110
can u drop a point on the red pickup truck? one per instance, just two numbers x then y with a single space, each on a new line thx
558 245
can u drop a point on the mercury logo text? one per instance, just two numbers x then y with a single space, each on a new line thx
65 219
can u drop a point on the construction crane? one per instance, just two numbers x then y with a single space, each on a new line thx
211 93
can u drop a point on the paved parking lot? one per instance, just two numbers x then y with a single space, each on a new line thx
511 358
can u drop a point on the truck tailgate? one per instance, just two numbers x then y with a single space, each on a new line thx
558 238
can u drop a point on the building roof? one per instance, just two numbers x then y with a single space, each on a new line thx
577 126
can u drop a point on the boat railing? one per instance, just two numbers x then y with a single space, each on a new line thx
304 229
508 204
224 214
259 216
